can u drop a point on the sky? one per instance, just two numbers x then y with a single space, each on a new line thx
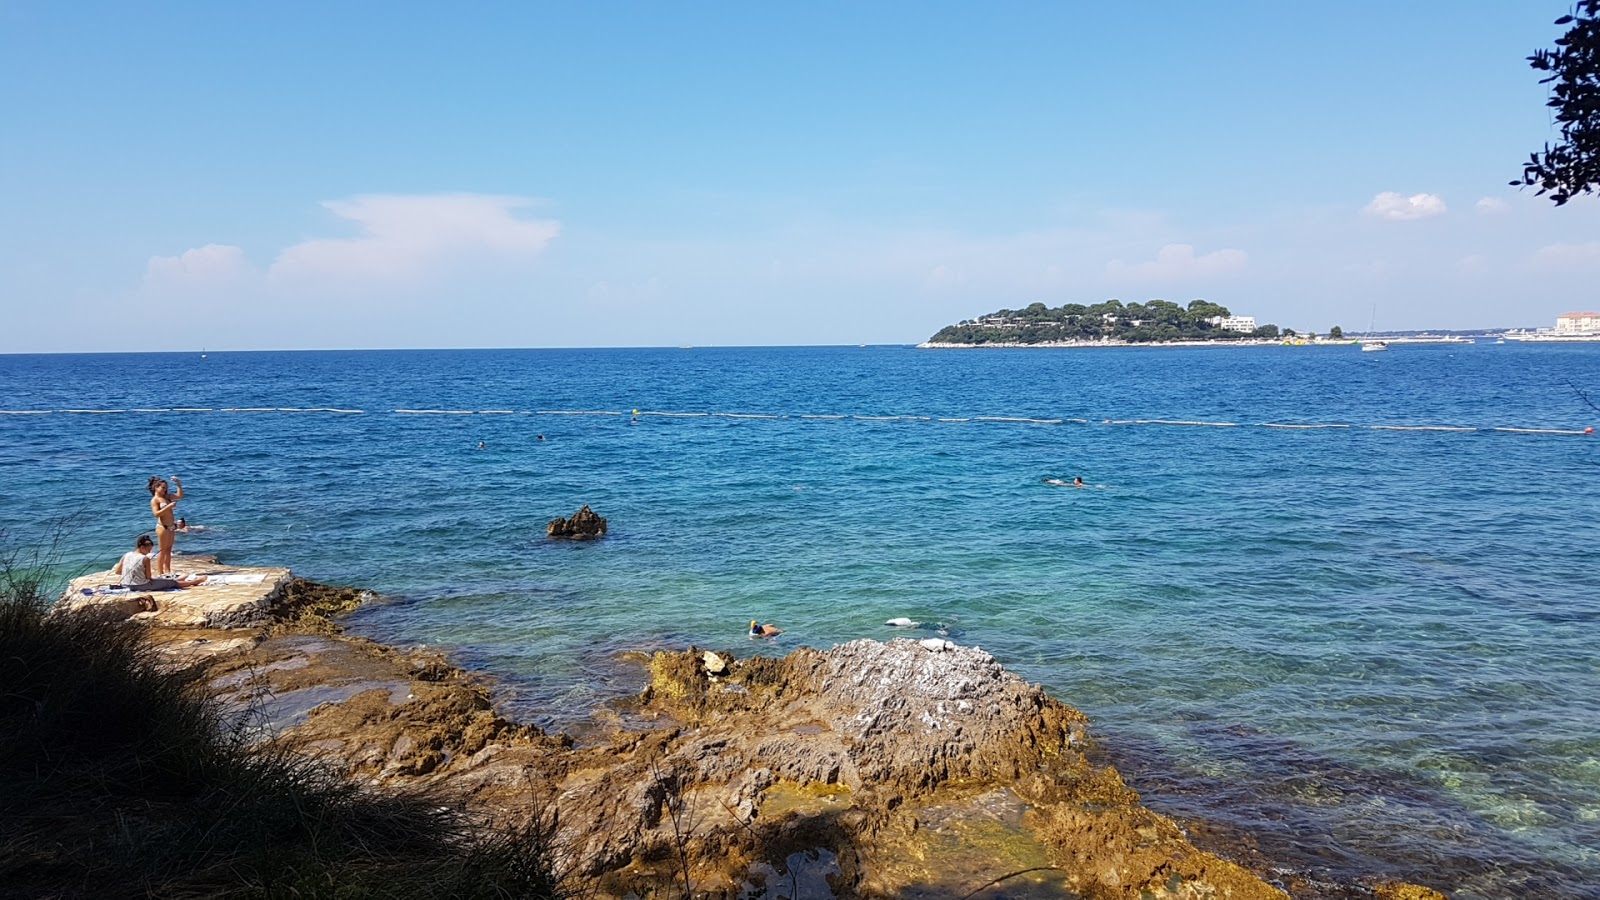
361 175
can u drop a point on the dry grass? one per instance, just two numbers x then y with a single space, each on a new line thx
120 777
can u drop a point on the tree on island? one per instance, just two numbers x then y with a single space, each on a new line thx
1571 167
1267 331
1336 333
1152 321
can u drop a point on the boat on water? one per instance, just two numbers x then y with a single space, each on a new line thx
1368 343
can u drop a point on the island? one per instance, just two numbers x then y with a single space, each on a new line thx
1107 323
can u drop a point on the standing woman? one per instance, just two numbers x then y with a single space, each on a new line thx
166 529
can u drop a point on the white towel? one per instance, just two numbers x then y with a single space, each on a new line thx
237 578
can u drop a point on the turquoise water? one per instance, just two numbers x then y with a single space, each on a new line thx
1373 650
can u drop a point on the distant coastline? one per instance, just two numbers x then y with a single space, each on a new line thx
1078 345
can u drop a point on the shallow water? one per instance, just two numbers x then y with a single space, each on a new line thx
1374 649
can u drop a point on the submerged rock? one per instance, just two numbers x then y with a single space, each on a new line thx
585 524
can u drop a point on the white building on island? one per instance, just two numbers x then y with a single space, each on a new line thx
1242 324
1578 323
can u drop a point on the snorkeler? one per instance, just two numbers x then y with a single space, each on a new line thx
758 630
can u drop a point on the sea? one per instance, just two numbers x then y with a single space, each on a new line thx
1368 648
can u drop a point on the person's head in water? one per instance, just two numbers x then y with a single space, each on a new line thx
481 445
183 523
1078 481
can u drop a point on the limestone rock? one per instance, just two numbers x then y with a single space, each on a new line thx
585 524
715 665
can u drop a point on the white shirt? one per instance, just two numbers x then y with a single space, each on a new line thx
135 568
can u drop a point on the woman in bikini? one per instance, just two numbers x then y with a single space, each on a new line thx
166 528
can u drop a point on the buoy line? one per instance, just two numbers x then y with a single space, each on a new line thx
821 417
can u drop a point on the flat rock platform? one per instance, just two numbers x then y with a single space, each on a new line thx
240 598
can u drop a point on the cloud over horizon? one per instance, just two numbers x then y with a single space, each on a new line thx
403 235
209 265
1568 256
1393 207
1176 262
402 238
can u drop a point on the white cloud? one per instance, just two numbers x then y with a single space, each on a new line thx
1394 207
211 265
404 236
1490 206
1568 256
1177 261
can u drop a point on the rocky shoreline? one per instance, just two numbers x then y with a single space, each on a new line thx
866 770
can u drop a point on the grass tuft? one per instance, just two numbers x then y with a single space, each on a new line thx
120 776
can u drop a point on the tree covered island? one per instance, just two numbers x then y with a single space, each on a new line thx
1111 322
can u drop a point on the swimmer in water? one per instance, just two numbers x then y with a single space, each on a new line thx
482 446
1078 482
541 437
758 630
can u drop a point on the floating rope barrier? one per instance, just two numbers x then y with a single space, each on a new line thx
1421 428
825 417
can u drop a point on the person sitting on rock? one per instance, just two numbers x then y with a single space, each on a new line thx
758 630
134 567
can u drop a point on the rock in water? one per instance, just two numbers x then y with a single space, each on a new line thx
585 524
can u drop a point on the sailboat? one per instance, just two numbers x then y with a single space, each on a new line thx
1368 345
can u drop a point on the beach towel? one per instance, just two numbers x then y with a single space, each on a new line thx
237 578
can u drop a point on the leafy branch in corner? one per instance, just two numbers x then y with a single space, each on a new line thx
1571 167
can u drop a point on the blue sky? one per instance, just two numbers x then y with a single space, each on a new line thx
244 176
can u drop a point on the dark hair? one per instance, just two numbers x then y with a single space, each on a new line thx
144 541
151 484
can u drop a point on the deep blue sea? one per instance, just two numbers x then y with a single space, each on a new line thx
1376 651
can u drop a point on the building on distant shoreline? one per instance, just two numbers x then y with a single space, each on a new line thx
1578 323
1241 324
